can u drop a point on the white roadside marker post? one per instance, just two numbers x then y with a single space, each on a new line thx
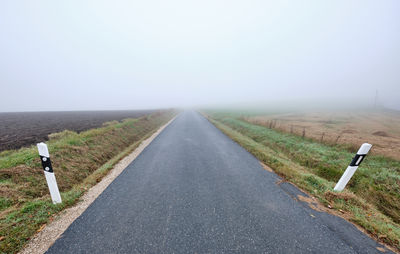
351 169
48 172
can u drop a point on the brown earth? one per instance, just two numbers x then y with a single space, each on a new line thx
19 129
379 128
80 161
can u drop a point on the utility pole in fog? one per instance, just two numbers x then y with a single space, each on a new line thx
376 99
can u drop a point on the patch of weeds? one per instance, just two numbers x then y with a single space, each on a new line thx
372 197
5 203
22 156
314 182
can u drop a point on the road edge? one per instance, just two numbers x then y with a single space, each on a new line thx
309 200
43 240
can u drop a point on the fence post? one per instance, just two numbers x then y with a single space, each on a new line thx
48 172
362 152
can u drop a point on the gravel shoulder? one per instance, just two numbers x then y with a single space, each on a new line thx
49 234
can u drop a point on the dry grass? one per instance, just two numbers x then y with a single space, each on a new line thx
79 161
371 199
380 128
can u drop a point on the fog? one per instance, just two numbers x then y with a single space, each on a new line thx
90 55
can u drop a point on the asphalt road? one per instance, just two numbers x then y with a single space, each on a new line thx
194 190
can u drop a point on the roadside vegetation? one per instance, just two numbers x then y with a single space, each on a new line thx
370 200
380 127
79 162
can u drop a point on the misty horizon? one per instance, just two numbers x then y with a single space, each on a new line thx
70 56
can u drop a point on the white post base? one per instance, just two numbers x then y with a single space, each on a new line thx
52 183
345 178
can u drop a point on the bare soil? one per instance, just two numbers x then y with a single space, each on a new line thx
80 161
20 129
48 234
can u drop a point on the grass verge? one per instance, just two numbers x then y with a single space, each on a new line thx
79 161
372 197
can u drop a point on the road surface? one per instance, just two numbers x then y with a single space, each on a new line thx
194 190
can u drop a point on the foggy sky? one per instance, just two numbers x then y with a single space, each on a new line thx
87 55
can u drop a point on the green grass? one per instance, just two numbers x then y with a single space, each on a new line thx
79 161
372 197
10 159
